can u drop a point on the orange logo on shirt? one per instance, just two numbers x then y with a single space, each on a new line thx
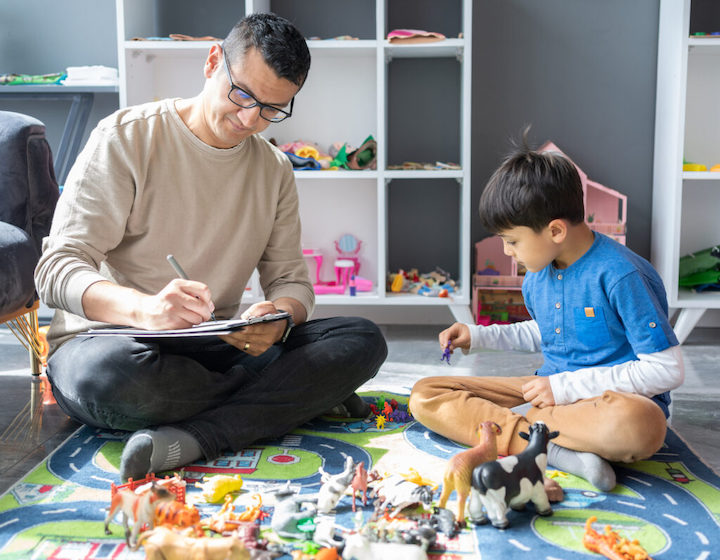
589 312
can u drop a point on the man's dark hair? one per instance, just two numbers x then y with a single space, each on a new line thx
279 42
531 189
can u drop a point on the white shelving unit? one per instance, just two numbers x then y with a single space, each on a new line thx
344 99
687 125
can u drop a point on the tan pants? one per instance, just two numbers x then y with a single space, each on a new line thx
617 426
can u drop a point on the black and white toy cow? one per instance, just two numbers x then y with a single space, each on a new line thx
513 481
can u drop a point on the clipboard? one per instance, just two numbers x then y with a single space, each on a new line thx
208 328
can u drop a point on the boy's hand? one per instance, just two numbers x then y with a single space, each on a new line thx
538 392
458 335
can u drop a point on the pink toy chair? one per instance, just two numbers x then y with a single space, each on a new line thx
348 247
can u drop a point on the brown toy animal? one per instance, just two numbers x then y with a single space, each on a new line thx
164 544
459 469
138 505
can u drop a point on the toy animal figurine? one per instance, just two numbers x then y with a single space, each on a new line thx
326 533
512 481
611 545
175 514
164 544
443 521
289 512
460 467
360 483
358 547
215 488
446 353
227 520
138 505
380 422
334 486
397 491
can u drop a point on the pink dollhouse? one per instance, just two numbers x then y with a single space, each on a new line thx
496 296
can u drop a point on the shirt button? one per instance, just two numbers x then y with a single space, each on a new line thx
557 331
559 276
557 305
652 324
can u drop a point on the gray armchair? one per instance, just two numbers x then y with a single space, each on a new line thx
28 195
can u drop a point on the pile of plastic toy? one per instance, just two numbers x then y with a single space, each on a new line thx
437 283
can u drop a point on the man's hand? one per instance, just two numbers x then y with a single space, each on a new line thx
256 339
458 335
179 305
538 392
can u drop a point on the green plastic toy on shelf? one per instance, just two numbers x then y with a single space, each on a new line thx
701 270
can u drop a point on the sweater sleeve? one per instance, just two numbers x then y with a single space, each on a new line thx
649 375
523 335
283 270
89 221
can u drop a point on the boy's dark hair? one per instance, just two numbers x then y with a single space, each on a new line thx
531 189
279 42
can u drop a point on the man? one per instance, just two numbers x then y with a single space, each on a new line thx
192 177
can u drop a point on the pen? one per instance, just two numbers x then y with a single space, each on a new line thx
181 274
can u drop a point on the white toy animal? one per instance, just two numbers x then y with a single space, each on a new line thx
512 481
358 547
334 486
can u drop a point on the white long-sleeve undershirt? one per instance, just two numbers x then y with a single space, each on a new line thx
649 375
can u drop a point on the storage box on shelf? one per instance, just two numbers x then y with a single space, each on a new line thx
605 208
684 220
497 284
345 99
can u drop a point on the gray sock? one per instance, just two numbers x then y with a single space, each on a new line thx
159 450
593 468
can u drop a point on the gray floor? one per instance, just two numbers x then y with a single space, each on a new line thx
25 439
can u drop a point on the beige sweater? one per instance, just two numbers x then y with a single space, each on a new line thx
144 187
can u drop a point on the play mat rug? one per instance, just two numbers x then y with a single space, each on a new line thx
670 503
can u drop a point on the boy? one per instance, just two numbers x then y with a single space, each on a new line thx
599 316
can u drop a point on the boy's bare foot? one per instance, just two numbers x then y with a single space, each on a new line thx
553 490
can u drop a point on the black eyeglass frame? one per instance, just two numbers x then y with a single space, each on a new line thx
281 117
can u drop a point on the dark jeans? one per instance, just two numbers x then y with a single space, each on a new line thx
222 396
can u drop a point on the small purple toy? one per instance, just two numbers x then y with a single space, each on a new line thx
446 353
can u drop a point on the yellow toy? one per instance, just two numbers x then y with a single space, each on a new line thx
380 422
215 488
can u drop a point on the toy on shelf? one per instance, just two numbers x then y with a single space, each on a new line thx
512 481
437 283
346 265
691 166
611 545
605 208
459 469
496 294
348 247
700 271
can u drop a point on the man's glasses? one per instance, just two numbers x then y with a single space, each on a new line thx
243 99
